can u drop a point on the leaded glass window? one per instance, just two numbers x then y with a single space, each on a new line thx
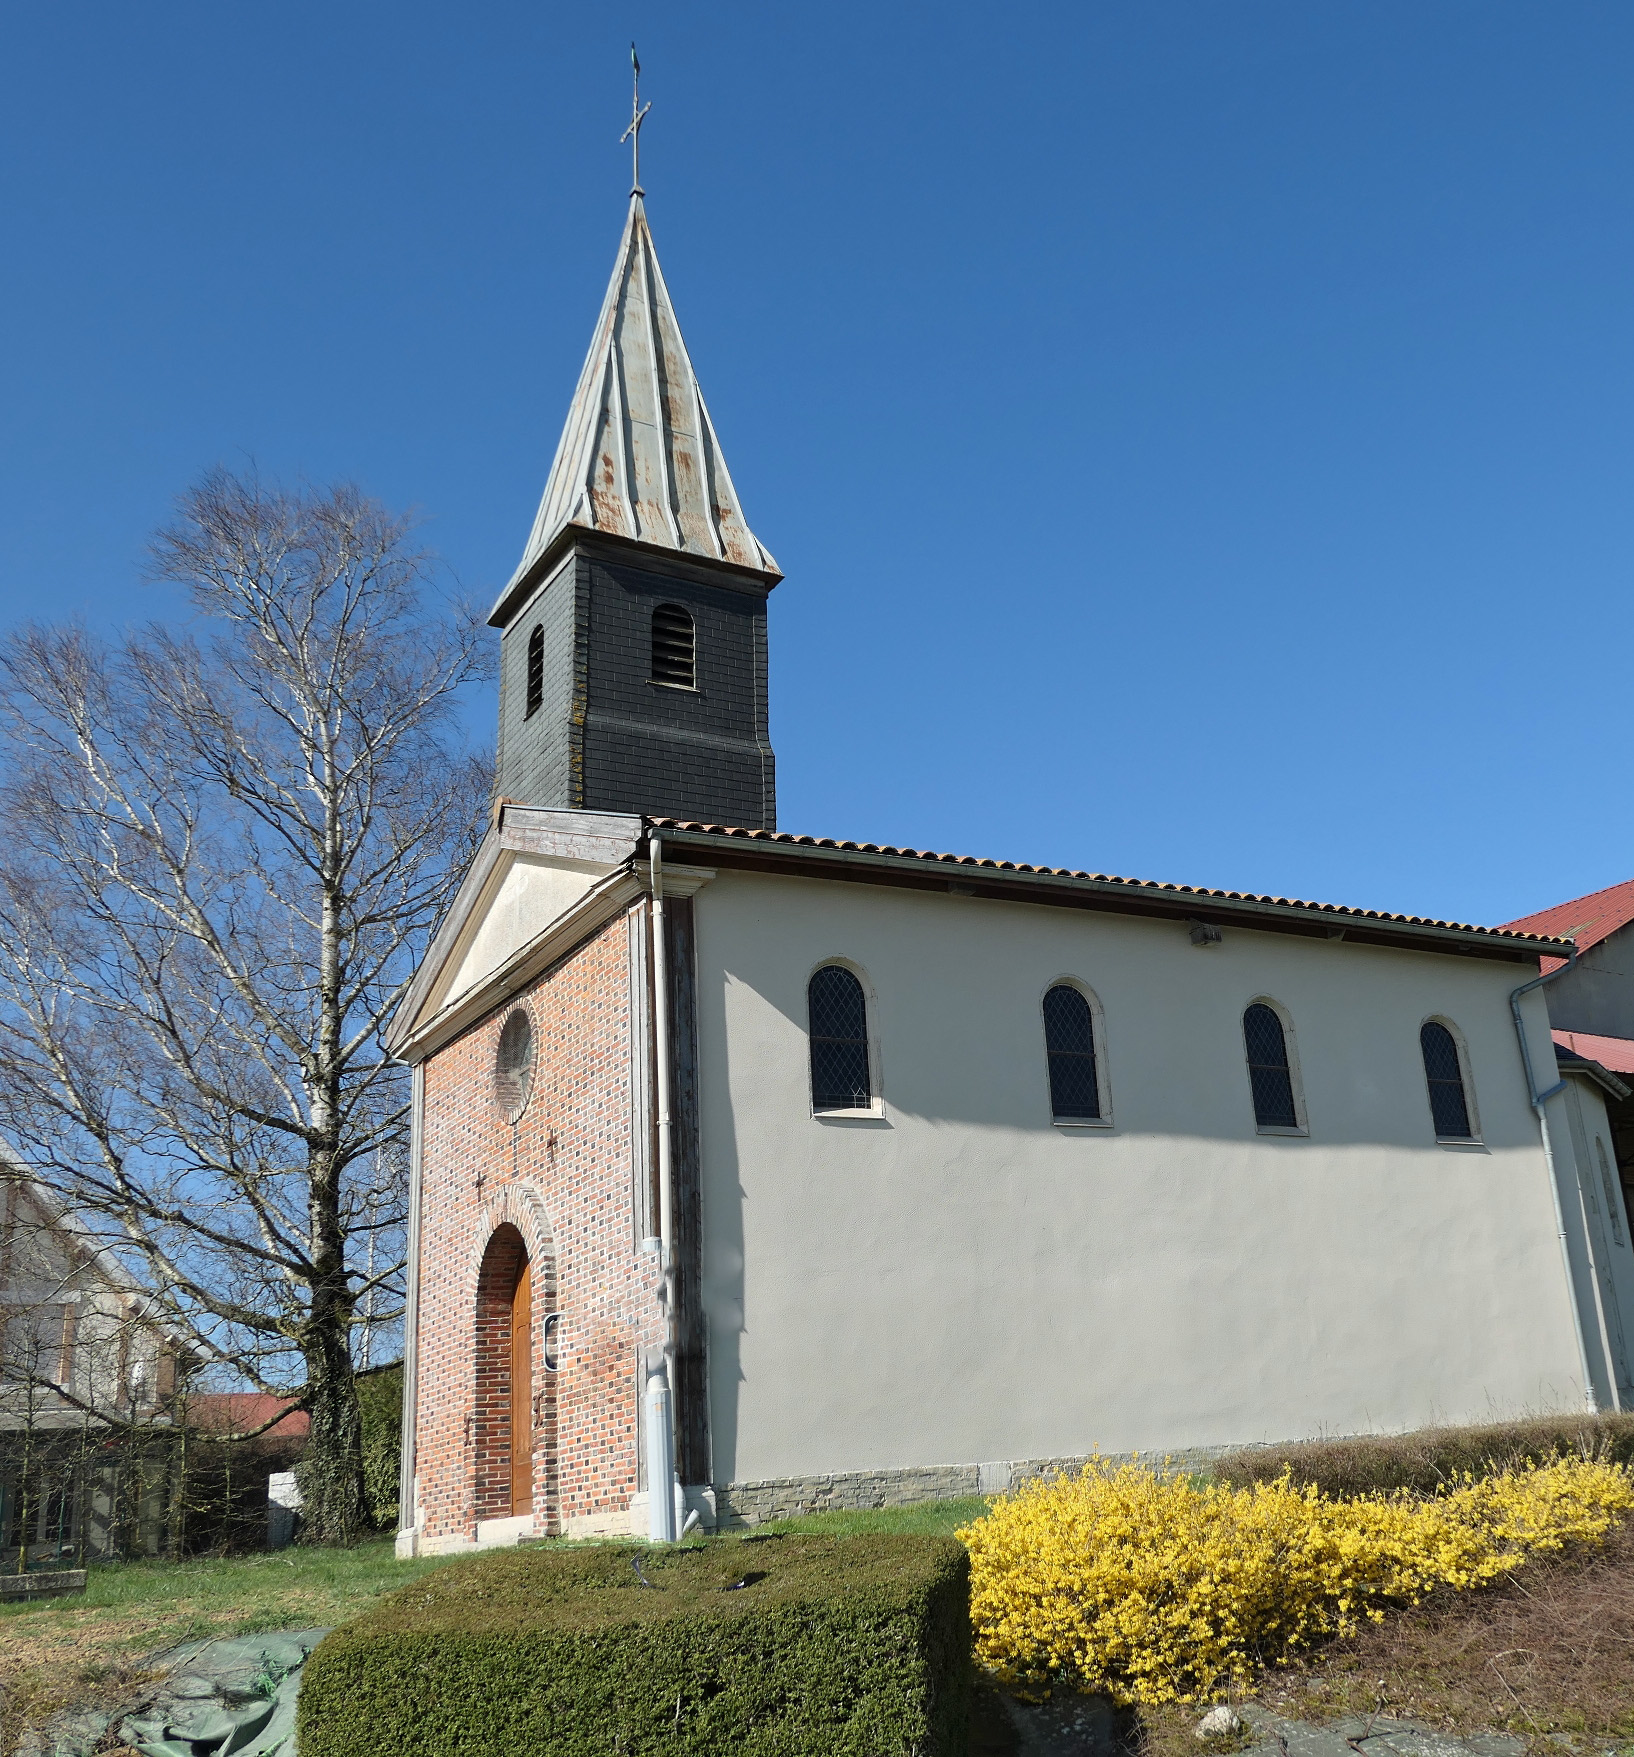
839 1041
1268 1071
1445 1078
1069 1039
536 669
674 647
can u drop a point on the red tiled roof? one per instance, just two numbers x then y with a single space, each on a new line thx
1513 932
242 1412
1588 920
1616 1053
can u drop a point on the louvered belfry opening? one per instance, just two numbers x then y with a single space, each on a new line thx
536 670
838 1016
1445 1078
674 647
1069 1038
1268 1070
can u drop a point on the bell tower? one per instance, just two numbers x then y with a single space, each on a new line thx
633 647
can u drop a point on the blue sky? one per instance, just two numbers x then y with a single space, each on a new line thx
1197 436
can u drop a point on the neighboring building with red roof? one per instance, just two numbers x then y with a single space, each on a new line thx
1591 1005
234 1413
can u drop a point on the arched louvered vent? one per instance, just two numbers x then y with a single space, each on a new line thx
536 669
674 647
513 1065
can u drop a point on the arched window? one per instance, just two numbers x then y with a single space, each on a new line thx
536 669
1069 1039
838 1017
1449 1104
1268 1071
674 647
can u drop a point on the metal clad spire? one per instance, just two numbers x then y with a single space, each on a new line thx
638 456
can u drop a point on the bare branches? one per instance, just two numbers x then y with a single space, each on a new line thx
224 849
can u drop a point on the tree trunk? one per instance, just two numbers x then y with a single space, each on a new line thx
333 1506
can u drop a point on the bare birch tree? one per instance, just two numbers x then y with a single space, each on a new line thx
221 851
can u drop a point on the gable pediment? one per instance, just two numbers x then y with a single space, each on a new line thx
532 868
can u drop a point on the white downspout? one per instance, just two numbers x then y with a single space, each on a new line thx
661 1384
1539 1101
408 1519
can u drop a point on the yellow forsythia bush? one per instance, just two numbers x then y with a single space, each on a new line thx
1152 1588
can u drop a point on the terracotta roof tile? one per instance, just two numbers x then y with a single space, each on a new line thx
1616 1053
784 837
1588 920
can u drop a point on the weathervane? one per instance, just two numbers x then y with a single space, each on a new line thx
638 114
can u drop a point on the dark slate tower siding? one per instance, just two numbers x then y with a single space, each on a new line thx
605 737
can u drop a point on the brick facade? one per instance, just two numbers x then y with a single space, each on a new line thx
557 1184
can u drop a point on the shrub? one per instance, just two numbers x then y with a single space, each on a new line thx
380 1413
770 1646
1430 1459
1158 1589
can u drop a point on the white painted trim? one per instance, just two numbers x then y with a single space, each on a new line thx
684 881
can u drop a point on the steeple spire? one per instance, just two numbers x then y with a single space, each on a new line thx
638 457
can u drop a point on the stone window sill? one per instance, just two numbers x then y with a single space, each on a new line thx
874 1114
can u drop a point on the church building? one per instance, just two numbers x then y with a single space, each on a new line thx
916 1174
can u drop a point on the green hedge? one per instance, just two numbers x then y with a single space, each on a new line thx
1425 1460
782 1645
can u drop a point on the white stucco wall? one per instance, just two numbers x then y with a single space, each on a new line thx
959 1280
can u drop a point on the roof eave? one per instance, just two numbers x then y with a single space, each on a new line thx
1125 897
1571 1062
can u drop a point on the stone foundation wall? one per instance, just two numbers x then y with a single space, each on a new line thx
741 1504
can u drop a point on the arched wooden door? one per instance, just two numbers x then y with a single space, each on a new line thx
522 1391
513 1426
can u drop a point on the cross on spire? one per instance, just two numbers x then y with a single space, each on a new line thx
638 115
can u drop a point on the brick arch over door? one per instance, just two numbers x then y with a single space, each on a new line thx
513 1428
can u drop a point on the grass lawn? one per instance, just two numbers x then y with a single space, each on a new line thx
925 1519
86 1649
